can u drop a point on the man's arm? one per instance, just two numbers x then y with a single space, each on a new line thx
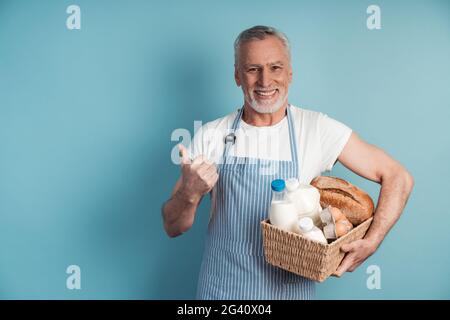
197 178
179 211
373 163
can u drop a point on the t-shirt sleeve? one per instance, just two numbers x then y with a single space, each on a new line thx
333 138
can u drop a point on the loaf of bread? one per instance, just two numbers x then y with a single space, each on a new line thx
354 203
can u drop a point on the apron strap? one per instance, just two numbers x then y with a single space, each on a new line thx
292 138
230 138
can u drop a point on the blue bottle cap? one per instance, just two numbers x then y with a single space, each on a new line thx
278 185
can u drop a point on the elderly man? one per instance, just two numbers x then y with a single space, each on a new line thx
237 169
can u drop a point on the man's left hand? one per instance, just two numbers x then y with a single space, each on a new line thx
356 253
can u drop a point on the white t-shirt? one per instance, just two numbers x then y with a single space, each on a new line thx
320 140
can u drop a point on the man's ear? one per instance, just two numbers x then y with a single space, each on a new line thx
236 76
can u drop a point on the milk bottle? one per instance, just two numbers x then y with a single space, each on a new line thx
307 228
306 199
282 212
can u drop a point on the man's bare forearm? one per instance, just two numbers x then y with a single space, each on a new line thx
179 212
394 193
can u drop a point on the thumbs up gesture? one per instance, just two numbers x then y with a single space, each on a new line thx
198 176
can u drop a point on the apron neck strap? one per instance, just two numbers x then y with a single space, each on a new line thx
231 138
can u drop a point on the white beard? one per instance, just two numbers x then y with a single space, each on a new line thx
264 108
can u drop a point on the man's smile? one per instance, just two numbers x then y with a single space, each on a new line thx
266 94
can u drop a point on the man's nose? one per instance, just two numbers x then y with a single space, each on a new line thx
265 79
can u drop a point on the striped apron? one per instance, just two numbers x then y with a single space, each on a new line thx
233 265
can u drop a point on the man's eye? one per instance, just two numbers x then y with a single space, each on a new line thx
276 67
252 70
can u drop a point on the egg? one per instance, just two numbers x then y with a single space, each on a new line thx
337 214
343 226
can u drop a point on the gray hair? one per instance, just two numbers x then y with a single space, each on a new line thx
259 33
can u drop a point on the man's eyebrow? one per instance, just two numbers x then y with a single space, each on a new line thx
277 62
251 65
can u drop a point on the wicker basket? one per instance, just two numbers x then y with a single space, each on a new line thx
295 253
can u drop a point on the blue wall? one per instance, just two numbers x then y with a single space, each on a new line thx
86 118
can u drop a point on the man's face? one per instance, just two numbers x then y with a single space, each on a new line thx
264 72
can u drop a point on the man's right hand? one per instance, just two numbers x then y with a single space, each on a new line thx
198 177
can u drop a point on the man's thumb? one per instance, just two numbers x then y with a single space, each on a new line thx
184 154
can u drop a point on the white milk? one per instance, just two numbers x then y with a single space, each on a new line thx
306 199
307 228
282 212
283 215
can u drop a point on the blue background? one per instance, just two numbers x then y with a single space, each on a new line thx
86 118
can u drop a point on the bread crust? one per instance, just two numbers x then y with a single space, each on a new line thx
354 203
